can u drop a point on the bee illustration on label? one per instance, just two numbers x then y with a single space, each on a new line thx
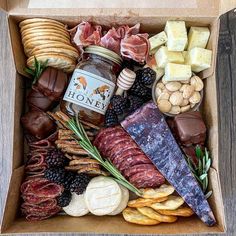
81 83
103 91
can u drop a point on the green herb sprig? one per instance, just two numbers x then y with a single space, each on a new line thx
200 170
86 144
36 70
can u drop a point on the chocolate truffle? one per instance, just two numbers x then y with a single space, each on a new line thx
38 124
190 128
52 83
36 100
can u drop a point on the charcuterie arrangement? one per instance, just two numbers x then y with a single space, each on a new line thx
112 122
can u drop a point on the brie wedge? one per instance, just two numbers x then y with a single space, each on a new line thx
163 56
177 35
199 59
198 37
102 195
124 201
77 206
177 72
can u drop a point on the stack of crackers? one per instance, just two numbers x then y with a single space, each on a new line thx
156 206
80 159
48 40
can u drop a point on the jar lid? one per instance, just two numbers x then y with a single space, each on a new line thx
104 52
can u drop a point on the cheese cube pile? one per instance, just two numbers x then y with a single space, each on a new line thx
179 54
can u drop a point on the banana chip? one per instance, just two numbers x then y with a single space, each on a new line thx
172 203
133 216
163 191
149 212
142 202
182 211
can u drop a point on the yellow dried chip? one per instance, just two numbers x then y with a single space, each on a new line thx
149 212
163 191
172 203
182 211
133 216
141 202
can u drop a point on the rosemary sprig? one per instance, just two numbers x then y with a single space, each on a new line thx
200 170
36 70
86 144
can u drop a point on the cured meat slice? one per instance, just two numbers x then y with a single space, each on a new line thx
86 34
121 138
133 151
138 168
150 131
120 152
104 132
34 199
150 177
133 160
42 144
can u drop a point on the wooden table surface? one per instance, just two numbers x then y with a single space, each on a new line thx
226 82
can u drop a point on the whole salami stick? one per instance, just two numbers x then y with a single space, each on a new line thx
150 131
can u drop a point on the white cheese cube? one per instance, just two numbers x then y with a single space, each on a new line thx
163 56
157 40
198 37
177 72
177 35
185 53
199 59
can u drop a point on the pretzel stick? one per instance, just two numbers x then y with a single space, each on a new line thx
89 124
75 151
61 122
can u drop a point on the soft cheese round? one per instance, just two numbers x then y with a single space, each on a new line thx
77 206
102 195
124 201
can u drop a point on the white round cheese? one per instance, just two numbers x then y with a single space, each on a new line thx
102 195
77 206
124 201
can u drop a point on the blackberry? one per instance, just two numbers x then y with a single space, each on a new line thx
118 104
56 175
64 199
55 158
134 103
80 183
111 118
146 76
139 90
69 177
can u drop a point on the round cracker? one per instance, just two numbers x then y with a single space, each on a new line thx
39 34
42 25
149 212
55 45
36 20
46 37
43 29
54 60
142 202
72 54
133 216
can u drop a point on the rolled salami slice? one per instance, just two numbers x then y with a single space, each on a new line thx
150 131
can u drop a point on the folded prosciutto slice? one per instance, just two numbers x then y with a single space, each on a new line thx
150 131
86 34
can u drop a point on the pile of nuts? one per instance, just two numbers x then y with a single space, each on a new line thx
179 96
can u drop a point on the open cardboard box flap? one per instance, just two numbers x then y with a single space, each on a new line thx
153 16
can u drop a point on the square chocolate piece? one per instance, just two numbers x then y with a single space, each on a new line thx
190 128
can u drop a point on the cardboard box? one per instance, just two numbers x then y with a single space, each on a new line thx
152 16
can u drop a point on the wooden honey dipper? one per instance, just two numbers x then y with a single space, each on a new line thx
125 80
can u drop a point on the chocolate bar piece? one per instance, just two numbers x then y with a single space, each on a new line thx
38 124
52 83
36 99
190 128
150 131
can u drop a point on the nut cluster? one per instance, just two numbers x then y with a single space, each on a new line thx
178 97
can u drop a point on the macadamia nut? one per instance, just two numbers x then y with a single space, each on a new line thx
164 105
197 83
173 86
195 98
188 91
176 98
175 110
